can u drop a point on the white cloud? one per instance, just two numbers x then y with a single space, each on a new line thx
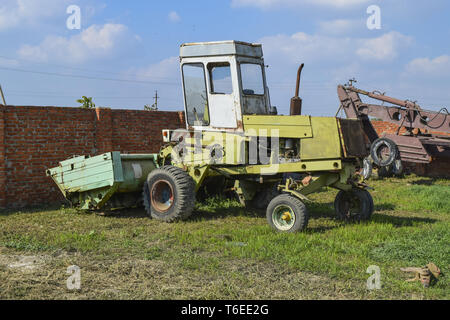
301 46
174 17
92 43
167 70
315 47
17 13
438 66
266 4
385 47
340 26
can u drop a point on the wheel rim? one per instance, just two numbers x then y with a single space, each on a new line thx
162 196
283 217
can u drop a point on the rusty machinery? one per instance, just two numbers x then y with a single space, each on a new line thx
417 144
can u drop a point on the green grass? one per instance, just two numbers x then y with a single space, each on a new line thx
227 252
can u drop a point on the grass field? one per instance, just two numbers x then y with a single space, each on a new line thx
227 252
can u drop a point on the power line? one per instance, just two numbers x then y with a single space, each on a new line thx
74 96
82 69
87 77
58 65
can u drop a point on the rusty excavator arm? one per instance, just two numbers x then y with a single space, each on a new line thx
418 144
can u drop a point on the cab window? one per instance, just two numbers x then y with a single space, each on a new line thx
195 94
220 75
252 79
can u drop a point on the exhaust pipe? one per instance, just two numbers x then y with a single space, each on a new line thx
296 101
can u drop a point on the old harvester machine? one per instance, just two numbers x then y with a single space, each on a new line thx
418 142
233 139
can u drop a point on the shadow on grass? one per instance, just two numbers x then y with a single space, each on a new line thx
397 221
223 213
425 181
320 229
384 207
321 210
212 213
135 213
30 210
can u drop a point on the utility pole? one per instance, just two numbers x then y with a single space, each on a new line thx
155 106
3 97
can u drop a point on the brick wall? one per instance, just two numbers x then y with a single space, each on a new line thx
33 139
437 168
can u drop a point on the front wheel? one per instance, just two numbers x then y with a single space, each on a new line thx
286 213
169 194
356 205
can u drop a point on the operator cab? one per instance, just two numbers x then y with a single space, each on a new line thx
222 81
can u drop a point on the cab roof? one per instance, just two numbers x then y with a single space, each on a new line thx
221 48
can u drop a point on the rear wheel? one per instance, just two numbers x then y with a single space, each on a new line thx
354 205
286 213
263 198
169 194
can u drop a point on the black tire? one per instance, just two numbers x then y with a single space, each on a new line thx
367 168
376 152
354 205
296 209
263 198
171 194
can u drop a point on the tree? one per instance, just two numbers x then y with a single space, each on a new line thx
153 107
87 102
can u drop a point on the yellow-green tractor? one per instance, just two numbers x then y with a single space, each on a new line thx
234 139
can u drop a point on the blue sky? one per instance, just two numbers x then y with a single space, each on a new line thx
138 41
